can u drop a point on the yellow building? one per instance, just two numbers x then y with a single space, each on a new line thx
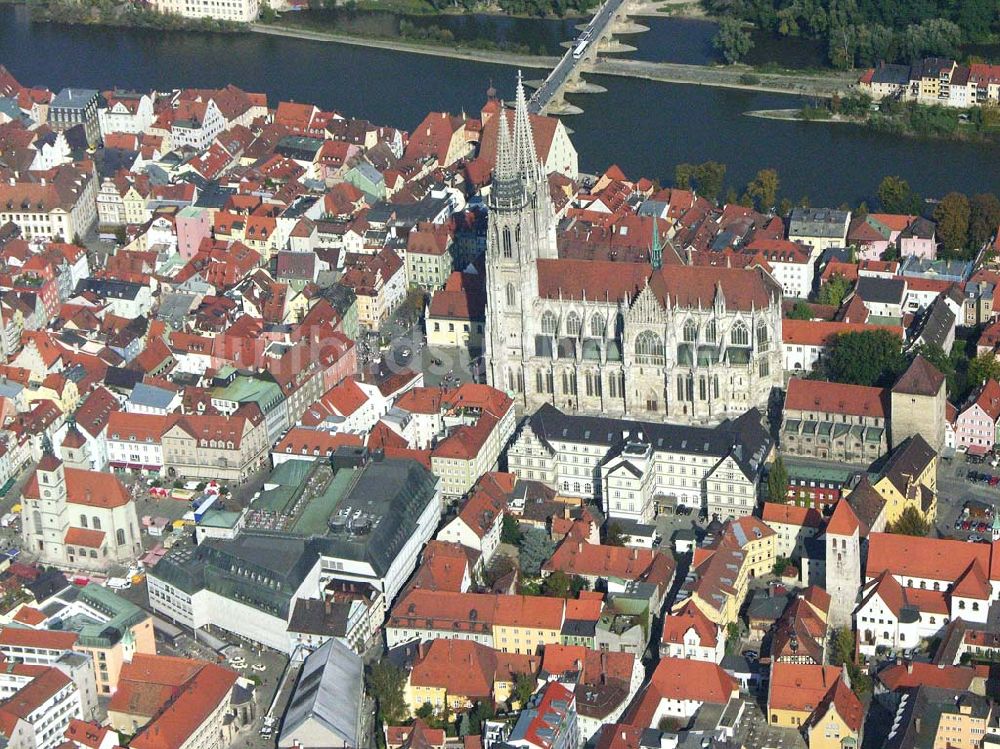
746 546
964 718
453 675
910 480
456 314
817 701
524 624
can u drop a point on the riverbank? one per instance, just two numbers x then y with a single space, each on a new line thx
454 52
798 115
735 77
968 130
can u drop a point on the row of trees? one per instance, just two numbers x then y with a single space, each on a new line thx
964 224
860 32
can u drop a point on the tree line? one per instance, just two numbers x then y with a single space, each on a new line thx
861 32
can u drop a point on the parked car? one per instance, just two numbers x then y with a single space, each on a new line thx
974 538
119 583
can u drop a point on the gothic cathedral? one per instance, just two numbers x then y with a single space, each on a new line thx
668 342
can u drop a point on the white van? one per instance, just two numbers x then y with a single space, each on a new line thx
119 583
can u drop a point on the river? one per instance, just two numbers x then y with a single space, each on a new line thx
646 128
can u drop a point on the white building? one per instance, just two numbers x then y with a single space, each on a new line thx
689 634
479 522
37 715
125 112
79 519
61 205
135 441
791 265
236 11
718 468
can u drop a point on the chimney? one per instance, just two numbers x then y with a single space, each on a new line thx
909 667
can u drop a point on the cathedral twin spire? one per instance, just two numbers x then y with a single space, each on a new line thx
517 168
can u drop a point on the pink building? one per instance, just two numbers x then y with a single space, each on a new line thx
193 225
975 427
918 239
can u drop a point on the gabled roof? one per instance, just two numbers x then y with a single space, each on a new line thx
680 679
690 617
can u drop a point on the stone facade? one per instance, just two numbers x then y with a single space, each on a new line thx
678 343
919 400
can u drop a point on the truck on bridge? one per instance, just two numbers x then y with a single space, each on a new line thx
580 48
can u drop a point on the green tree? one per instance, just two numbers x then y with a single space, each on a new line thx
510 531
385 684
984 367
841 647
910 523
800 311
733 635
614 536
780 565
683 176
984 218
558 585
425 712
480 713
952 215
535 548
834 290
777 481
709 176
267 13
763 189
524 687
895 196
871 357
732 40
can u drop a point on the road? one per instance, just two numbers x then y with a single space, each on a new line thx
596 30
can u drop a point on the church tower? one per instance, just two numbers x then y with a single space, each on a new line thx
521 229
843 563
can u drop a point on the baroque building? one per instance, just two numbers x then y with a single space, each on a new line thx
652 341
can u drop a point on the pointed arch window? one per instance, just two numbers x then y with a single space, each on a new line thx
690 331
573 324
508 245
597 326
549 323
739 336
710 332
511 295
649 348
763 337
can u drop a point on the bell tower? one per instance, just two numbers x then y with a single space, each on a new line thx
521 229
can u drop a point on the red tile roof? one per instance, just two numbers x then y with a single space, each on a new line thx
922 557
836 398
686 618
681 679
90 488
36 638
85 537
800 687
778 512
821 333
